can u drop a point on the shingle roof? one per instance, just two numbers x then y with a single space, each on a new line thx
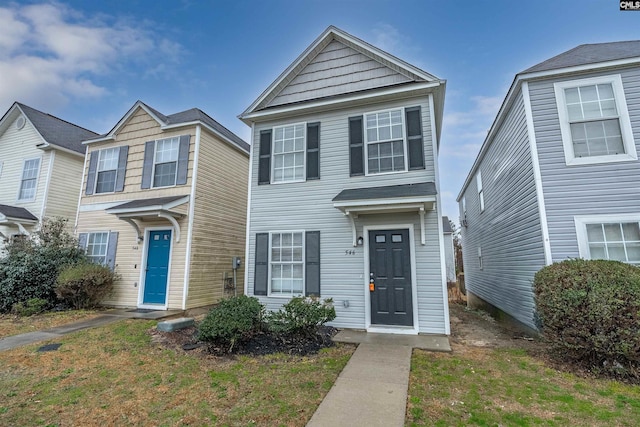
57 131
388 192
590 54
144 203
446 226
16 212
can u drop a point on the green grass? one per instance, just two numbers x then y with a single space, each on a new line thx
507 387
115 375
12 325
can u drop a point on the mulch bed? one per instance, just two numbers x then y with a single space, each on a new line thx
261 343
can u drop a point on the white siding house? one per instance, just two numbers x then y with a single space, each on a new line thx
343 188
559 175
41 160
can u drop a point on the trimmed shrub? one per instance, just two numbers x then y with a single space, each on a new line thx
302 315
30 307
31 266
589 311
233 320
84 285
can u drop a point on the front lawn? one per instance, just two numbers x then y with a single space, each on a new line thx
14 325
508 387
116 375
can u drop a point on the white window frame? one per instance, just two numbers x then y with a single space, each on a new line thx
581 228
480 191
106 247
367 142
623 118
35 193
95 184
153 167
304 263
274 154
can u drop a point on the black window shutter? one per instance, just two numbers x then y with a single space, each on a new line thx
183 160
312 263
122 167
264 162
313 151
147 166
414 138
356 146
91 176
82 240
112 246
261 278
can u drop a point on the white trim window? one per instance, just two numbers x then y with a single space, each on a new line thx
594 121
107 170
29 181
613 238
97 244
480 191
385 142
286 263
289 144
165 162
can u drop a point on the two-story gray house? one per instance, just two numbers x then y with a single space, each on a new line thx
343 188
557 177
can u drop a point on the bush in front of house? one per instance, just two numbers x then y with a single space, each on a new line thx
589 311
30 266
302 315
84 285
30 307
233 320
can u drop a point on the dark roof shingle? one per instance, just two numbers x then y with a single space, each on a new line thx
16 212
145 203
388 192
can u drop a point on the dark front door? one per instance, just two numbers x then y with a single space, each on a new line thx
390 268
155 282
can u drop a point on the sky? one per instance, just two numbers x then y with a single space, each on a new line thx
88 62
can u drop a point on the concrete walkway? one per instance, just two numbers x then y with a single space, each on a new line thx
109 316
372 389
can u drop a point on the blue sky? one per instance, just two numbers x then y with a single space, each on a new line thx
88 62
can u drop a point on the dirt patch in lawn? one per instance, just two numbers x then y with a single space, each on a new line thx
11 324
263 343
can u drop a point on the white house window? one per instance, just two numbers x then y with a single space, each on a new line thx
594 120
385 143
97 247
289 153
287 264
107 169
480 191
613 238
165 162
29 180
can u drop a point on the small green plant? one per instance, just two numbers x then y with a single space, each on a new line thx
232 320
302 315
30 307
84 285
589 311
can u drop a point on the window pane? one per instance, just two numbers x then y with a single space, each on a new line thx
165 174
594 233
633 252
609 108
605 91
575 112
597 251
588 93
631 231
613 232
617 252
289 156
106 181
572 95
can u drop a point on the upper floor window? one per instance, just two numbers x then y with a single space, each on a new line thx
615 238
165 162
29 180
107 170
289 153
594 120
480 191
385 143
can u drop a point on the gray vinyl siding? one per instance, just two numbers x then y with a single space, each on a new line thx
308 206
599 189
508 230
337 69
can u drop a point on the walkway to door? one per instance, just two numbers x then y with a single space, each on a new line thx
372 389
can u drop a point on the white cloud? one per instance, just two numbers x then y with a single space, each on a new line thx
51 54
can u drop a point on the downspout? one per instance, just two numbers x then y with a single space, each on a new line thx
192 204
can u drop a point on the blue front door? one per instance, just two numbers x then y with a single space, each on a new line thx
155 281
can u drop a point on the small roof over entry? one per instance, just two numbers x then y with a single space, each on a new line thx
13 215
159 207
417 197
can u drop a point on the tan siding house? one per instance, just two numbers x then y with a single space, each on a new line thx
41 161
164 202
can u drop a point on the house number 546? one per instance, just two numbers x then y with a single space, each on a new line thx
349 252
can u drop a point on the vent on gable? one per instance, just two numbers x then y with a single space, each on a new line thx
20 122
